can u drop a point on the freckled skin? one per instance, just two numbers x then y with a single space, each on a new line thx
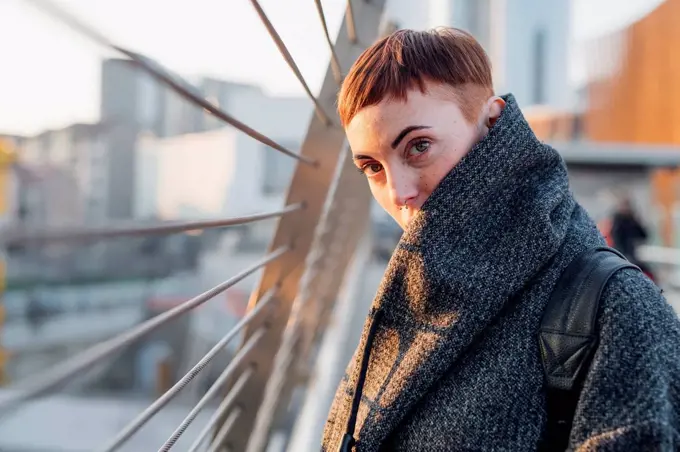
402 177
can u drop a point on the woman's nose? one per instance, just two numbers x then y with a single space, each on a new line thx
403 189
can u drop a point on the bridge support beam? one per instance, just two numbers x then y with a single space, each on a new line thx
311 185
338 343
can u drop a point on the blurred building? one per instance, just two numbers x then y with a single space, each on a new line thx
173 182
9 192
141 159
63 175
101 159
629 98
180 117
13 141
141 108
47 195
133 101
527 41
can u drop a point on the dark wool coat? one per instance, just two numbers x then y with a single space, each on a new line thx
454 364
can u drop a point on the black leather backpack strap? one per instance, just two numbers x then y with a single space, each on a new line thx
568 336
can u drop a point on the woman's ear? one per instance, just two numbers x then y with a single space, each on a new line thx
494 108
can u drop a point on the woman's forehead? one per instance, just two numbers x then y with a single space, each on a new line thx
428 109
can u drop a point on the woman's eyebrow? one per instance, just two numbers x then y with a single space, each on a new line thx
362 157
405 132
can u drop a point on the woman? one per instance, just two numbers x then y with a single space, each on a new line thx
450 350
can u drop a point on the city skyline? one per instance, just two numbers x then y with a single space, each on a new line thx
53 77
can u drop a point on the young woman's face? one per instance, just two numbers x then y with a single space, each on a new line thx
406 148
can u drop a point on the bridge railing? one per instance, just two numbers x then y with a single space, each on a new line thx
325 214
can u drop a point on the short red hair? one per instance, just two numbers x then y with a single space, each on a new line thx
409 59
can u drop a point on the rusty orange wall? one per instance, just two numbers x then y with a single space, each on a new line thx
641 102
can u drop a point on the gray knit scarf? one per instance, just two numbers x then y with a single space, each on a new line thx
454 361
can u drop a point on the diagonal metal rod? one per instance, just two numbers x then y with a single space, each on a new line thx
186 90
222 378
207 397
133 427
221 410
24 236
335 63
282 372
351 28
63 373
225 429
157 71
291 62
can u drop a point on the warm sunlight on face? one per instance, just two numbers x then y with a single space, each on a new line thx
406 148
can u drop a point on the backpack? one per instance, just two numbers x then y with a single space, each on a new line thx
568 337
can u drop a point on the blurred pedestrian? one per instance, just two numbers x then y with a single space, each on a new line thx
627 230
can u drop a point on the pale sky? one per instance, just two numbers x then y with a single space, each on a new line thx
49 76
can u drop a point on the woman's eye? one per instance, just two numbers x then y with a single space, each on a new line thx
371 168
419 148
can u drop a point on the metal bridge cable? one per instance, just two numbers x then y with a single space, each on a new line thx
189 92
207 397
225 429
351 28
281 372
221 409
133 427
13 237
335 64
62 373
291 62
204 362
157 71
